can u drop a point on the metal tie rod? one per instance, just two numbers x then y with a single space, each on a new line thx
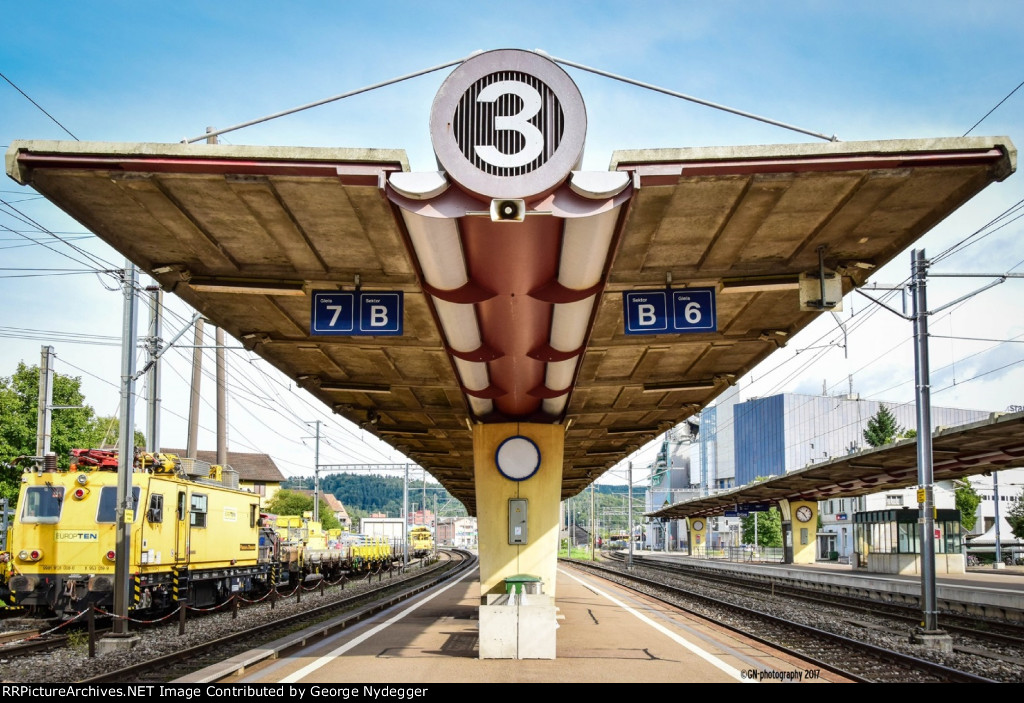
207 135
692 99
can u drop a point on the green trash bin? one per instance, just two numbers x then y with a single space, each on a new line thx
524 583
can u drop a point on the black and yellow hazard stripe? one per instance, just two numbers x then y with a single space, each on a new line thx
11 602
179 583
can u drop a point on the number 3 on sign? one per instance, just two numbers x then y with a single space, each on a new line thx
533 139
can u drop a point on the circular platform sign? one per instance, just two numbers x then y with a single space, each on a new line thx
508 124
518 458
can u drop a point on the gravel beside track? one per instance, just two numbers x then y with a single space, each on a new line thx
72 664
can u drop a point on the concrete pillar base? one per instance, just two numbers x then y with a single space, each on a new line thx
109 644
935 640
518 627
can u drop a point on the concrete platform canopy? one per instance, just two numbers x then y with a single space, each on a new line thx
513 272
967 450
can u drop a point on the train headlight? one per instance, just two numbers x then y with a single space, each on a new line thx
82 479
110 555
30 555
79 493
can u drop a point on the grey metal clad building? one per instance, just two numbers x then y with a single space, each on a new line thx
780 433
742 441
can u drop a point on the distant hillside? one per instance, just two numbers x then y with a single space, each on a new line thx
362 494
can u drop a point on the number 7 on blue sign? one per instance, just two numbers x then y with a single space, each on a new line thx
334 312
362 313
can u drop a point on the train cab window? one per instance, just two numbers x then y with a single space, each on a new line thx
42 504
197 513
107 510
155 513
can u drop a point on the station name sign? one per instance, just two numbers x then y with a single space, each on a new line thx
670 311
357 313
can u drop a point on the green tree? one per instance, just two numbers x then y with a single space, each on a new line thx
355 514
1015 517
769 528
19 403
10 481
882 428
287 502
105 433
967 500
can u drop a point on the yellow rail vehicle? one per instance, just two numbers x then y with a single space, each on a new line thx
305 549
194 539
421 540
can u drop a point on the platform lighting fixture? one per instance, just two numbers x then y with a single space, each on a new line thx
412 431
633 430
332 386
759 285
206 285
585 245
438 248
680 386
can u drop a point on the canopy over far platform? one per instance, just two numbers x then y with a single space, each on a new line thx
967 450
245 234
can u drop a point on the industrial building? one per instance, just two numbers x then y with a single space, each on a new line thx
734 443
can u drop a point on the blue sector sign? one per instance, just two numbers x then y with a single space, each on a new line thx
670 311
363 313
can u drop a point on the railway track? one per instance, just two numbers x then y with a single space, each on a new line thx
20 645
975 632
859 652
320 621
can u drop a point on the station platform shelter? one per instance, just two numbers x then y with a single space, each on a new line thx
512 324
888 542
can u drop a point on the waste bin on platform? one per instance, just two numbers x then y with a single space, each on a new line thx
524 583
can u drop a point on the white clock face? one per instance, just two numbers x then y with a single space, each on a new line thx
803 513
698 524
518 458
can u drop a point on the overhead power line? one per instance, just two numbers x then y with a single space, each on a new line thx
39 106
994 108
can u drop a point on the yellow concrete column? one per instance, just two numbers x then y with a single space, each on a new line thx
542 491
805 530
698 527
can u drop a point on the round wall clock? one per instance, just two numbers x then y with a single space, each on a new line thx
518 458
803 514
697 525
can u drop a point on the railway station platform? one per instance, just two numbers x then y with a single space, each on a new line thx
982 590
605 635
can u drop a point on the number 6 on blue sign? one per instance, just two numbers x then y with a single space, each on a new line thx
679 311
693 310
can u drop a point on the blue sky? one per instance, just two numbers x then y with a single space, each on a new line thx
130 71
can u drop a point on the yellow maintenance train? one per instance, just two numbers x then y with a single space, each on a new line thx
421 540
193 537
